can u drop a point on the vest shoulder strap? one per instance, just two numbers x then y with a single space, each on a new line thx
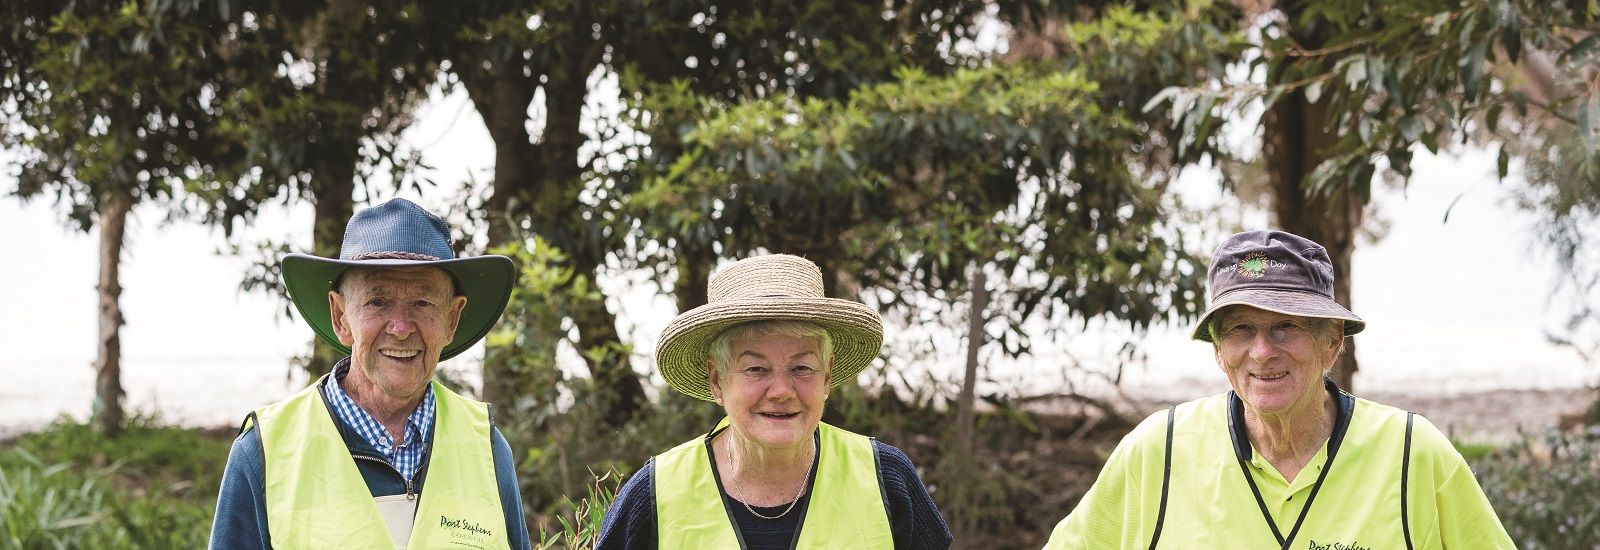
1405 474
1166 475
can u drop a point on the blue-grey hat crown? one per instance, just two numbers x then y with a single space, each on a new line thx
400 226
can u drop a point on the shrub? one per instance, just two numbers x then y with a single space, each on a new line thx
1543 486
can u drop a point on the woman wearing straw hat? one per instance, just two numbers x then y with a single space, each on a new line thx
1286 459
767 348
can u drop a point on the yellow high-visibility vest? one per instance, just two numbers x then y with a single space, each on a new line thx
316 497
845 510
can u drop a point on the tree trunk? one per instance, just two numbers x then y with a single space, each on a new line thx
694 273
332 192
966 412
557 210
1297 137
502 99
609 362
108 363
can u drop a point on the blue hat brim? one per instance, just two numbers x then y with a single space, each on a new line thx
485 281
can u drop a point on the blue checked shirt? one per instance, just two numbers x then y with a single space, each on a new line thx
407 456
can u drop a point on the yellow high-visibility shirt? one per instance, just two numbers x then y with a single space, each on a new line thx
1209 504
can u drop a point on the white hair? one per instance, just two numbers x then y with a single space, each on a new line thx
722 346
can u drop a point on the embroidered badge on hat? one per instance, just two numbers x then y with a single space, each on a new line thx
1253 265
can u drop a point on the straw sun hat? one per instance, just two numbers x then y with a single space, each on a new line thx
771 287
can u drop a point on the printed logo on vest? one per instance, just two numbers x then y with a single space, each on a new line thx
463 527
1338 546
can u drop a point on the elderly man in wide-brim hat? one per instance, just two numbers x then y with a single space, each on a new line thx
378 454
767 348
1286 459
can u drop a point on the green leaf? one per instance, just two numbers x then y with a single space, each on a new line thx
1586 126
1410 127
1503 163
1355 72
1161 96
1579 52
1431 141
1472 70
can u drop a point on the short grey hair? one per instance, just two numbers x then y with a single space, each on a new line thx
722 346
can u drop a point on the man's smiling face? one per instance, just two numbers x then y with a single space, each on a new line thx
396 320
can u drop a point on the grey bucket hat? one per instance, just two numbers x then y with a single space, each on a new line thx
1275 271
398 233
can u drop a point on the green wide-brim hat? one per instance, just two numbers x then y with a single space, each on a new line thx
398 233
766 288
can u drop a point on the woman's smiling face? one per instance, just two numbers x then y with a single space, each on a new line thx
774 389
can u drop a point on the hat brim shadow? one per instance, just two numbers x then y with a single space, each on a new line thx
685 345
485 280
1287 302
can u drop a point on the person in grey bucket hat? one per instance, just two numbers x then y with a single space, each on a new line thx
1285 459
377 453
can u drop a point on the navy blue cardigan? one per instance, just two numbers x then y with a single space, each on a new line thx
914 520
241 520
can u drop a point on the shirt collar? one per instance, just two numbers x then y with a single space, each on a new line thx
1345 407
418 423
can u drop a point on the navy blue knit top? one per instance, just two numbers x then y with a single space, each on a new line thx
914 520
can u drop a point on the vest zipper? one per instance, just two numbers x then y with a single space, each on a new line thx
411 494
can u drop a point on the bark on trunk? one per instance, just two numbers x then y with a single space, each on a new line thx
1297 137
694 273
556 209
332 189
966 413
502 101
108 362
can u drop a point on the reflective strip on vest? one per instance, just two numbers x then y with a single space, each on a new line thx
846 508
316 497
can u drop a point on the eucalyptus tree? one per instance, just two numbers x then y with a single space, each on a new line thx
569 187
1353 86
328 88
110 105
1041 185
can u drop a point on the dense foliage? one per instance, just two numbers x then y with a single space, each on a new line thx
1543 488
927 171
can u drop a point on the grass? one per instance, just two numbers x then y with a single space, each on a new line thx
1474 452
68 487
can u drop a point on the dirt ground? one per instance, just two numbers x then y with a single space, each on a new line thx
1495 416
